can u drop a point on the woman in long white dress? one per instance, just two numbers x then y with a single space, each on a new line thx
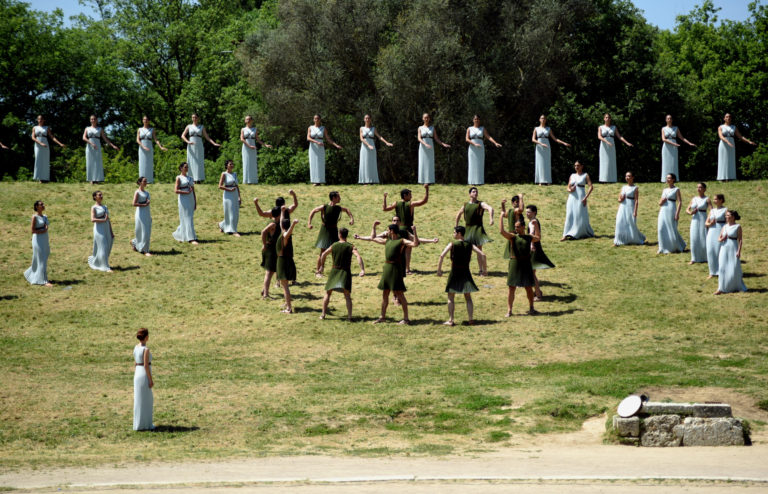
231 199
317 134
143 401
249 136
669 136
145 135
143 219
37 273
476 137
606 134
541 137
726 150
427 136
576 212
94 166
626 232
103 236
40 134
184 187
670 204
730 277
369 170
193 135
698 211
714 224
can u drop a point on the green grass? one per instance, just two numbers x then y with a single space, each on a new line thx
235 377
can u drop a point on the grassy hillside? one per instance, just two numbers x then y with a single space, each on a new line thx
236 377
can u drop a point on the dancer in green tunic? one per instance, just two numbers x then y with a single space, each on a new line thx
520 270
340 278
540 259
405 211
269 237
392 274
279 202
460 278
329 230
286 267
472 212
514 214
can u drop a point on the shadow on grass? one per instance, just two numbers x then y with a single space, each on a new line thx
303 283
552 283
757 290
304 308
210 240
305 296
66 282
126 268
431 302
491 274
175 428
651 244
424 321
565 299
8 297
248 234
752 275
555 313
172 252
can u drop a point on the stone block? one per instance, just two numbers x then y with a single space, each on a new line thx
661 431
718 431
626 427
686 409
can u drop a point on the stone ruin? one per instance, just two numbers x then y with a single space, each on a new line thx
681 424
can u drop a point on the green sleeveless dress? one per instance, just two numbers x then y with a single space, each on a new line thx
511 219
340 277
269 254
286 267
460 279
540 259
473 221
403 210
329 231
520 269
392 274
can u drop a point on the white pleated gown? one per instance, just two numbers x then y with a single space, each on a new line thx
576 213
427 155
607 155
699 231
196 153
543 167
94 167
317 156
142 224
730 277
250 157
626 232
143 400
476 157
37 273
726 155
713 239
670 240
42 155
669 162
147 158
369 168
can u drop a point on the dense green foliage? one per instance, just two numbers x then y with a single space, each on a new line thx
284 60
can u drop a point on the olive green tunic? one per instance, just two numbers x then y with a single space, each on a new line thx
473 221
403 210
511 220
269 254
392 274
329 230
460 279
520 269
286 267
540 259
340 277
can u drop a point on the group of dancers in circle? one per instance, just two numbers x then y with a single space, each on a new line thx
318 137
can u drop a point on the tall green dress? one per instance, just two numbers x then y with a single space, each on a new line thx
403 210
329 231
511 219
286 267
392 274
340 277
269 254
540 259
460 279
520 268
473 220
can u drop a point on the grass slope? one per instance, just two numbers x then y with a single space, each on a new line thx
235 377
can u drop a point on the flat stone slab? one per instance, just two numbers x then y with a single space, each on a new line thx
627 427
661 431
686 409
713 432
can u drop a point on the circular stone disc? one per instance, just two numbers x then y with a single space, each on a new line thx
629 406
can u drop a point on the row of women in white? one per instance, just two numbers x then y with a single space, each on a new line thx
318 137
716 239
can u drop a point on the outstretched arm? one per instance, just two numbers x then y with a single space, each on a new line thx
311 214
488 208
388 207
349 213
415 242
445 251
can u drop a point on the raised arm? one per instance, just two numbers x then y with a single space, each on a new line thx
312 213
264 233
287 233
424 200
295 201
258 209
504 233
386 207
415 242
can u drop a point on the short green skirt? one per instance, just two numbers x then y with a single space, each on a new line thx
460 281
326 237
339 280
286 268
520 273
392 278
269 258
476 235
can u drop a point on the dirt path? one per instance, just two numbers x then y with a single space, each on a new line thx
577 460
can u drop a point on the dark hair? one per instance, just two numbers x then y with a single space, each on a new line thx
735 214
280 201
194 114
516 199
519 222
394 228
532 207
720 196
703 185
472 188
37 203
318 116
93 116
138 182
674 177
577 162
182 165
404 193
275 212
631 173
460 230
142 333
343 232
226 163
94 194
475 116
332 194
286 224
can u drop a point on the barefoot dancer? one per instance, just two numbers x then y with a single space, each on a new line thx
460 278
329 232
269 237
540 259
473 219
286 267
279 202
520 270
340 278
404 210
512 216
392 274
